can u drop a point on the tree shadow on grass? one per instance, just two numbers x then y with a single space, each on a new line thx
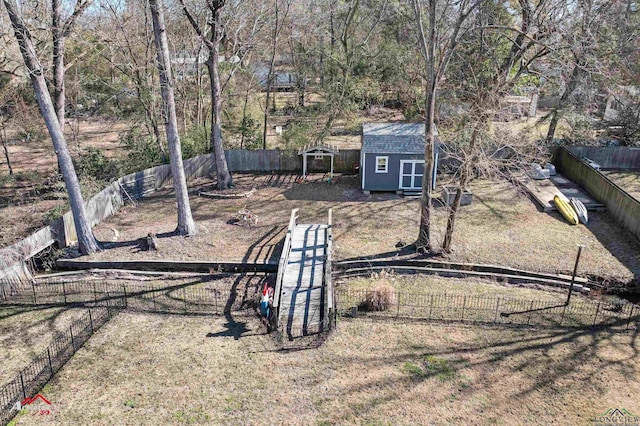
551 360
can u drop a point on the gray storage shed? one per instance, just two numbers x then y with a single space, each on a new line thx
392 157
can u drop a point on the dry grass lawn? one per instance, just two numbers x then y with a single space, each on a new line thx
627 180
500 227
151 369
26 332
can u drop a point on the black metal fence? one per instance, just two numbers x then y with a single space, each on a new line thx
495 310
31 379
205 297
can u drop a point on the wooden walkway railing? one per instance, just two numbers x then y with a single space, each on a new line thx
284 258
304 299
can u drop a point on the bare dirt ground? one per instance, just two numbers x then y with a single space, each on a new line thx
26 202
191 370
627 180
26 332
500 227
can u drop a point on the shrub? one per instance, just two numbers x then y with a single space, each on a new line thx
194 142
92 163
381 298
143 151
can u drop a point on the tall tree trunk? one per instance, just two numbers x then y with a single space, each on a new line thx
244 117
213 45
186 225
59 98
3 137
429 53
270 79
213 65
86 240
223 174
465 174
562 102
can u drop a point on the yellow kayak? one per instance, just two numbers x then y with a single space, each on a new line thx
566 210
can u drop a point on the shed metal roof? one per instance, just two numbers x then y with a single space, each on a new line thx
393 138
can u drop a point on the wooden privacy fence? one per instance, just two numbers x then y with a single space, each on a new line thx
137 185
619 157
622 206
497 310
33 377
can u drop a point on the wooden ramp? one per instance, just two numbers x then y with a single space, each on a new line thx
304 295
544 190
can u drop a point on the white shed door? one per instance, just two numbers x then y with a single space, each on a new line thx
411 173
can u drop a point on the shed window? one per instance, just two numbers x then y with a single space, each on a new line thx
382 164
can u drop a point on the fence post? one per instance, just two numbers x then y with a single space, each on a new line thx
24 391
108 303
153 292
33 288
73 342
398 306
64 293
95 293
4 293
562 316
495 317
630 315
50 364
596 315
215 293
91 320
430 305
124 293
529 316
184 297
464 305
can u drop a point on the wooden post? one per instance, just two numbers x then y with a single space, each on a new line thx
73 342
596 315
95 293
331 174
90 320
64 293
630 316
573 277
304 164
33 288
495 318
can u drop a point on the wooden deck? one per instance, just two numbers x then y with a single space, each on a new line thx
302 300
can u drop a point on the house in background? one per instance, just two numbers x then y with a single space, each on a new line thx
392 157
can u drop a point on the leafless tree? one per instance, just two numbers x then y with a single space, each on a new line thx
280 14
86 240
505 53
445 25
186 225
60 29
216 34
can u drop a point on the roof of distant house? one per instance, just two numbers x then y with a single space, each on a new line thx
393 138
